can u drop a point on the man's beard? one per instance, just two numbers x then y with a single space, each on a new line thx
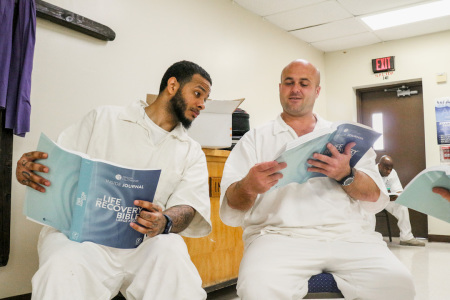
179 109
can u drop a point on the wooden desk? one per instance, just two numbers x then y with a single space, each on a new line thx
218 255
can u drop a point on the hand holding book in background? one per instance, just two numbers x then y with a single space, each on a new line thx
429 192
443 192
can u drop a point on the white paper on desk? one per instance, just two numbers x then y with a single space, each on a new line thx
213 127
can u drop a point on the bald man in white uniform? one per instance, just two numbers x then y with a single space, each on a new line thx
301 230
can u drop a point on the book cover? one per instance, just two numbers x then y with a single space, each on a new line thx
297 152
418 194
89 199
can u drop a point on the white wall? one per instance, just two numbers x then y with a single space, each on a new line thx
415 58
74 73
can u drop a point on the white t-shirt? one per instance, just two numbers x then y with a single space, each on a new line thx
318 209
122 135
392 182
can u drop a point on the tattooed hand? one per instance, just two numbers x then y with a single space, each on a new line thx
152 221
25 171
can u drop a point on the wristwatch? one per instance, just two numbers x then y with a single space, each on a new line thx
168 225
347 180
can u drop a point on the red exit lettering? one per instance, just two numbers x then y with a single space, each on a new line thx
383 63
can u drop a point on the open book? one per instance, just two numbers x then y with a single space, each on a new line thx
90 199
419 196
297 152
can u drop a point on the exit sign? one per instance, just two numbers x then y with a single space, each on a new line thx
383 64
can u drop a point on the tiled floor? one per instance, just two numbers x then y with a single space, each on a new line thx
429 265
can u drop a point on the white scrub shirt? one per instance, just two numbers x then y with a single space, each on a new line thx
318 209
122 135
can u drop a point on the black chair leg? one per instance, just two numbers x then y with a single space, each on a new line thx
388 225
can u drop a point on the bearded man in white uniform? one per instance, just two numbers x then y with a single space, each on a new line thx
301 230
394 187
137 136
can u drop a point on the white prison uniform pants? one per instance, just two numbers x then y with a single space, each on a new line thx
160 268
279 267
402 214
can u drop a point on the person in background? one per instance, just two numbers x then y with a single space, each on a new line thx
394 187
137 136
445 193
300 230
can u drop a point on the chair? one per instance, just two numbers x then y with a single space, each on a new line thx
385 214
323 286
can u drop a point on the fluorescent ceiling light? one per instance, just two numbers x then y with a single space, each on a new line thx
408 15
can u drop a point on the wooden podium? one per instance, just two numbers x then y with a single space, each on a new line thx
218 255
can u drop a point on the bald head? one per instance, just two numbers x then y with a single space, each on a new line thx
385 165
302 63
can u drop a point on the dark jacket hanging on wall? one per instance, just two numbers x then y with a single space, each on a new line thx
17 39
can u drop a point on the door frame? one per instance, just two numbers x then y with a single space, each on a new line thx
362 89
379 88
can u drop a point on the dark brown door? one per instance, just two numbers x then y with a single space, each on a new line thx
403 137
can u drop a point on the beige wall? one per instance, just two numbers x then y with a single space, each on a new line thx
244 55
74 73
415 58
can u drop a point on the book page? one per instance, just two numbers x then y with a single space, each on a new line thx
296 159
101 207
54 207
106 207
418 194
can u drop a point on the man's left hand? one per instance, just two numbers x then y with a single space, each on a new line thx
151 219
337 166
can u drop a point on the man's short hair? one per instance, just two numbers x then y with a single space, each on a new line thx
183 72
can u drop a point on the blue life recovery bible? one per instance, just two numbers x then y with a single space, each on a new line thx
297 152
89 199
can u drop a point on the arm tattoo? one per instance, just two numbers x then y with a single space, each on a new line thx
24 162
181 215
26 175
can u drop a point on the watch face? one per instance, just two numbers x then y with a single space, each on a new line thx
348 181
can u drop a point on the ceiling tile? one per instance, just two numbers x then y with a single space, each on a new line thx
414 29
331 25
357 40
361 7
270 7
307 16
331 30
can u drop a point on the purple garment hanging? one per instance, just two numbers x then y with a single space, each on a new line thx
18 107
6 33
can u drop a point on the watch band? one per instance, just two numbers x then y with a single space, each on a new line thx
168 227
347 180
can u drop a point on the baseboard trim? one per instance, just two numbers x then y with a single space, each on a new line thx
439 238
20 297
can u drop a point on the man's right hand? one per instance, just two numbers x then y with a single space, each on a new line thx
26 167
261 177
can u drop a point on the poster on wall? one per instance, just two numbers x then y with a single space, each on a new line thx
442 108
445 154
